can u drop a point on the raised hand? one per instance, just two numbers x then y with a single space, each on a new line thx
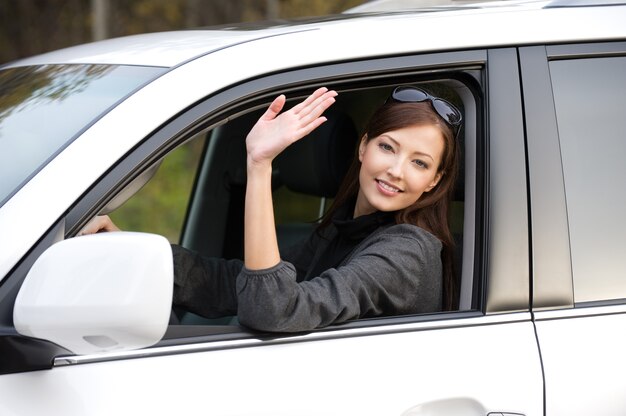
270 136
274 131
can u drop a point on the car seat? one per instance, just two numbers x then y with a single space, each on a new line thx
316 165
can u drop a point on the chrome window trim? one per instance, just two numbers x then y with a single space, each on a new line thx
472 321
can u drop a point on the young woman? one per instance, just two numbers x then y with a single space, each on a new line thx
384 247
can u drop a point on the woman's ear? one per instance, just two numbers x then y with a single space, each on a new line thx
362 146
434 182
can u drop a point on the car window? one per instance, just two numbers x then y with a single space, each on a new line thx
160 206
214 225
589 100
203 209
294 211
49 93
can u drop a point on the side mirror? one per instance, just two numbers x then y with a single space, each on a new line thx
96 293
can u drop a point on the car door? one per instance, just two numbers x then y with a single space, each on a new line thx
480 359
576 142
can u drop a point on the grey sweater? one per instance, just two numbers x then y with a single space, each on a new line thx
396 270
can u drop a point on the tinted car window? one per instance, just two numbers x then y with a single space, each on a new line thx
589 100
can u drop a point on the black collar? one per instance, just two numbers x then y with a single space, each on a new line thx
362 226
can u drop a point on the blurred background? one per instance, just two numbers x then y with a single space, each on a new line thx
30 27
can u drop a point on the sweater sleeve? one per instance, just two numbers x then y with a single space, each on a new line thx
397 271
205 285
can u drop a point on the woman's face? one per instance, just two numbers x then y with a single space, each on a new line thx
397 167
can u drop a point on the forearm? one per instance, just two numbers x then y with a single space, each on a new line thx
260 243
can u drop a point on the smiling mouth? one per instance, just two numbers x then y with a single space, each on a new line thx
387 187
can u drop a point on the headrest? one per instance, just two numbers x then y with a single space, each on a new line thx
317 163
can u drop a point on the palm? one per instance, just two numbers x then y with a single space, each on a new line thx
274 132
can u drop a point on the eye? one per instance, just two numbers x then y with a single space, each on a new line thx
420 164
384 146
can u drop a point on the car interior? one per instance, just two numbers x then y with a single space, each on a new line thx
306 177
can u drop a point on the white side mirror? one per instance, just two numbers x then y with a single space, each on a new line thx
103 292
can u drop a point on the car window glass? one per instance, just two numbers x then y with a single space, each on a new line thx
589 100
296 215
36 101
295 206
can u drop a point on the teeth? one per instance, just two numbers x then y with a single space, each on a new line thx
388 187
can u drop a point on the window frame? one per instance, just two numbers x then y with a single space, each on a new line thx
211 111
258 92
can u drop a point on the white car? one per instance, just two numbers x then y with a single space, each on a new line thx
541 323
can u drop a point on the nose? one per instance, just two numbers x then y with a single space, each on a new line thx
395 168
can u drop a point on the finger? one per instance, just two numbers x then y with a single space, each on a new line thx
317 111
92 226
275 108
97 224
313 120
305 110
304 131
316 94
318 106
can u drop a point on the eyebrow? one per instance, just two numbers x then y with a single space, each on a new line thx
399 145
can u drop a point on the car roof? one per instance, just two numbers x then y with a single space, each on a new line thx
496 23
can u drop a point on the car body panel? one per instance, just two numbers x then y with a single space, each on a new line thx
345 375
582 351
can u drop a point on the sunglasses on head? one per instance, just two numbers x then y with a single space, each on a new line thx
446 110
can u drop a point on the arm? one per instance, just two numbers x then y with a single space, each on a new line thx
205 285
396 272
270 136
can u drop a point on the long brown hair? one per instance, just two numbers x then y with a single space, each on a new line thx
430 211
